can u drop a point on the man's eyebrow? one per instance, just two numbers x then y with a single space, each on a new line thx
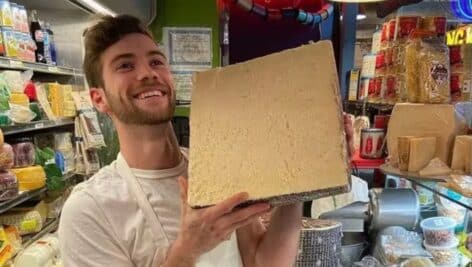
122 56
156 53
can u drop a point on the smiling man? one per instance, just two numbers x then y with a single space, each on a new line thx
134 212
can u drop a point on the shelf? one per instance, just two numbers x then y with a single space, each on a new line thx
27 195
22 197
359 163
35 126
429 183
14 64
49 226
377 106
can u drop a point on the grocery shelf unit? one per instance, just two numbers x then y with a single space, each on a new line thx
68 22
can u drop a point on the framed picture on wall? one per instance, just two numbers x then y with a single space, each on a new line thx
188 48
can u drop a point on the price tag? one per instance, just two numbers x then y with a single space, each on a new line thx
53 69
39 125
16 63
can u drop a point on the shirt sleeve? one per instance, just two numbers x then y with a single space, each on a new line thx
86 237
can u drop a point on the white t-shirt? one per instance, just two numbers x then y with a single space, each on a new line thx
102 224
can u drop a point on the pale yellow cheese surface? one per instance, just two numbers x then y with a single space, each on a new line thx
422 120
270 126
435 168
422 151
461 153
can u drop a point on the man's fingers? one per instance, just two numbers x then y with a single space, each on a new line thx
246 221
243 214
228 205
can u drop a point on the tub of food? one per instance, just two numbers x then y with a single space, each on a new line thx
439 231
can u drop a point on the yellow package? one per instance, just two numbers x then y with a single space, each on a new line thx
56 98
6 249
19 99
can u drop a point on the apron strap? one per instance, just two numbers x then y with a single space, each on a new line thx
135 188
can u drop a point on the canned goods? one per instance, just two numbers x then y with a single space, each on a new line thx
372 143
381 121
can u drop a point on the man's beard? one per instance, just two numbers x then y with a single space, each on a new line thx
128 113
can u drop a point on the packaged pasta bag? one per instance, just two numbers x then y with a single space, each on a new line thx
412 51
434 72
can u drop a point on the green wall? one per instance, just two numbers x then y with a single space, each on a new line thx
188 13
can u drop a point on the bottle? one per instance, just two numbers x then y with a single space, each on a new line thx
47 50
38 37
52 44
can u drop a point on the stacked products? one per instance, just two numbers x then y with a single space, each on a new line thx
20 40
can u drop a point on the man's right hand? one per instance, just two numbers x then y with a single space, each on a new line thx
204 229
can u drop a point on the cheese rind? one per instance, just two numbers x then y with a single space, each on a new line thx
268 132
422 120
422 151
404 152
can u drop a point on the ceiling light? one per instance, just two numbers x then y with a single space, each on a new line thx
97 7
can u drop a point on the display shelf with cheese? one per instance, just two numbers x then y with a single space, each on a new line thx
36 126
433 184
28 195
49 226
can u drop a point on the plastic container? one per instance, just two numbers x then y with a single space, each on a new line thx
439 231
444 256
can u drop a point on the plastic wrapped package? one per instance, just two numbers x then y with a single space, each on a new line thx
6 249
7 157
452 210
27 222
15 81
21 114
44 252
368 261
24 154
14 237
63 144
4 96
434 72
30 178
19 99
8 186
394 244
412 50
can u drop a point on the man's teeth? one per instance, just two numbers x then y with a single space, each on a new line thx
149 94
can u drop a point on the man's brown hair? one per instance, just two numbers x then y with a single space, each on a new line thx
106 32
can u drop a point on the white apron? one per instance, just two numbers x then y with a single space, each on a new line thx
225 255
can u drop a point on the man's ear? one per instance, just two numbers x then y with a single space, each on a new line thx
99 99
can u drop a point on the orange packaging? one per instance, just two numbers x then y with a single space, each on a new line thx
392 26
438 25
405 25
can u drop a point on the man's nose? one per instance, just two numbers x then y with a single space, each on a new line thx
146 72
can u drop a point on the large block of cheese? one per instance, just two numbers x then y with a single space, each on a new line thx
271 127
425 120
461 155
422 151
